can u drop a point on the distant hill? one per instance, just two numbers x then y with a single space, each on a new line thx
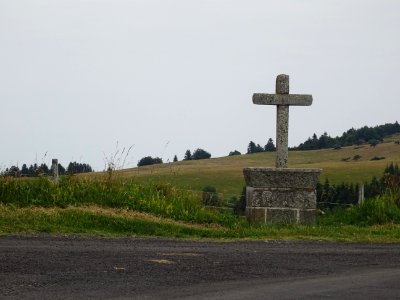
347 164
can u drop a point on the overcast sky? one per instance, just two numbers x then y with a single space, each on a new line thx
78 76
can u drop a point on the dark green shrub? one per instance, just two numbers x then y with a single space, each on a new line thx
239 208
148 160
200 154
378 158
235 152
210 196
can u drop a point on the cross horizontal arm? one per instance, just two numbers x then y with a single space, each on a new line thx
282 99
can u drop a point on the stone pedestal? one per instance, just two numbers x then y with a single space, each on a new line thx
281 195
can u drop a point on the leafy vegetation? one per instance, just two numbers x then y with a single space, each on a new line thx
197 154
381 209
36 170
210 196
148 160
234 152
200 154
331 195
75 168
253 148
159 199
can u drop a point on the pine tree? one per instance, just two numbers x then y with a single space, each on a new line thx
251 148
24 170
269 147
188 155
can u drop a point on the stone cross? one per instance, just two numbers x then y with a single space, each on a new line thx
282 99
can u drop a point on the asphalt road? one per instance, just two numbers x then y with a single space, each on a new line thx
46 267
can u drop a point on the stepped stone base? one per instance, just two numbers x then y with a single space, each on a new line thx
281 195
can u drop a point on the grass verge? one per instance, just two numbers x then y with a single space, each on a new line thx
95 220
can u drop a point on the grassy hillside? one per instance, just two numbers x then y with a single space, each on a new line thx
226 173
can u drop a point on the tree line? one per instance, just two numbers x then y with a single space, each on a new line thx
364 135
256 148
331 195
197 154
35 170
371 135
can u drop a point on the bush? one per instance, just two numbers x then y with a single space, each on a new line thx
337 147
235 152
239 208
210 196
148 160
378 158
200 154
373 142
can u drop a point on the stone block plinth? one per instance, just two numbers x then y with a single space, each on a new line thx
281 195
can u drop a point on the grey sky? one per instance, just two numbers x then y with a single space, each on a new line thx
76 76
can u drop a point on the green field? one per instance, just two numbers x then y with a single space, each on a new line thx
225 173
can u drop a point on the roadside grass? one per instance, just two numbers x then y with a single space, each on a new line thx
377 220
158 199
123 207
93 220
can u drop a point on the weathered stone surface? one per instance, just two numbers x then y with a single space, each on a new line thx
281 197
282 216
281 178
283 193
282 99
290 99
282 126
54 169
282 84
255 215
307 216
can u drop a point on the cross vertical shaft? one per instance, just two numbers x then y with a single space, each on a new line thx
282 123
282 127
